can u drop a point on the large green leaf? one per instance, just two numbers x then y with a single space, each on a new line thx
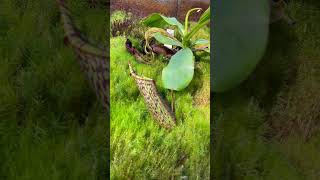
241 34
160 21
166 39
179 72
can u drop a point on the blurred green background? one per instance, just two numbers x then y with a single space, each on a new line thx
268 127
51 125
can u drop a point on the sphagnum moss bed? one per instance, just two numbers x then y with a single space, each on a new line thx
140 148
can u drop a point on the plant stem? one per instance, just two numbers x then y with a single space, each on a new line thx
195 29
172 101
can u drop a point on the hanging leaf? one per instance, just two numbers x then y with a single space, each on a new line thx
179 72
160 21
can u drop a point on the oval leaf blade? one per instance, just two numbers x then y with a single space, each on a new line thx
241 37
179 72
166 40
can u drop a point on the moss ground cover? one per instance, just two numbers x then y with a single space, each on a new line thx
268 128
51 125
139 148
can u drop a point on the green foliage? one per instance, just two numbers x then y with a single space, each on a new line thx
203 21
183 75
51 125
119 16
139 148
160 21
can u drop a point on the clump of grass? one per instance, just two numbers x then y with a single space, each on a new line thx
297 107
121 27
296 110
241 150
119 16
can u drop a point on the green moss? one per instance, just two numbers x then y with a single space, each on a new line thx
140 149
119 16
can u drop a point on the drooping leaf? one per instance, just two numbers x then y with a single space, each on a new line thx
167 40
160 21
179 72
149 34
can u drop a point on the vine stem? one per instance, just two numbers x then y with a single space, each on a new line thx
172 101
187 18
